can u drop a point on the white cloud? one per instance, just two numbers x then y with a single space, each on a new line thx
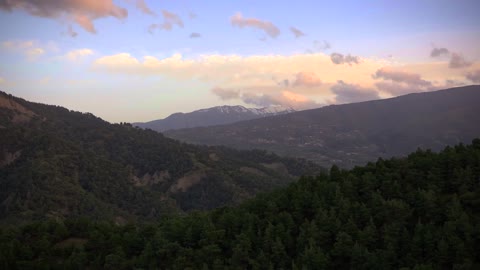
34 53
76 55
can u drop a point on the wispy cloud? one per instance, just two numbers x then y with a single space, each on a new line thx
75 55
33 53
266 26
29 48
226 94
398 82
79 11
457 60
169 20
297 32
401 77
349 92
71 32
474 76
284 98
195 35
142 6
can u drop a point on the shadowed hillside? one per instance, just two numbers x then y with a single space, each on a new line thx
60 163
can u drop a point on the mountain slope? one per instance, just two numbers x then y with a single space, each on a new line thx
212 116
353 134
60 163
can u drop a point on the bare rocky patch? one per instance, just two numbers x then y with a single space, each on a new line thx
252 171
9 158
276 166
22 114
150 179
184 183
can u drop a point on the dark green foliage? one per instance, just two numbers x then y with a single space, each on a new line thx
56 163
421 212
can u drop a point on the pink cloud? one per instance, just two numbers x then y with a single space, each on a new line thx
268 27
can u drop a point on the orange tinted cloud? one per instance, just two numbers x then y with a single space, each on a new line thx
82 12
308 79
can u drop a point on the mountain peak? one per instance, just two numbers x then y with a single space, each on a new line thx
219 115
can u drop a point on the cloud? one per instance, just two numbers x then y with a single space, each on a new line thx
226 94
400 82
17 45
308 79
142 6
268 27
195 35
284 98
437 52
255 73
339 59
29 48
169 20
79 11
451 83
321 45
347 93
458 61
172 18
33 53
71 32
297 32
76 55
122 61
401 77
237 71
192 15
474 76
257 98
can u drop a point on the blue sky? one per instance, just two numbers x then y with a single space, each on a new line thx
93 56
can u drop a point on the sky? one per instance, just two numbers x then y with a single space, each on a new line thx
140 60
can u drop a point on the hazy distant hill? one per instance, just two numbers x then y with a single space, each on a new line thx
60 163
353 134
212 116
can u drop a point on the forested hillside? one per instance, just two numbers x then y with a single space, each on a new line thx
354 134
419 212
59 163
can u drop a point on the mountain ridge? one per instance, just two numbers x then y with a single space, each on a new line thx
353 134
218 115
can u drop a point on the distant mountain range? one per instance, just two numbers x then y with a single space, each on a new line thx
353 134
59 163
212 116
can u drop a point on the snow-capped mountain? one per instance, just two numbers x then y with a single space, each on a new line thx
219 115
